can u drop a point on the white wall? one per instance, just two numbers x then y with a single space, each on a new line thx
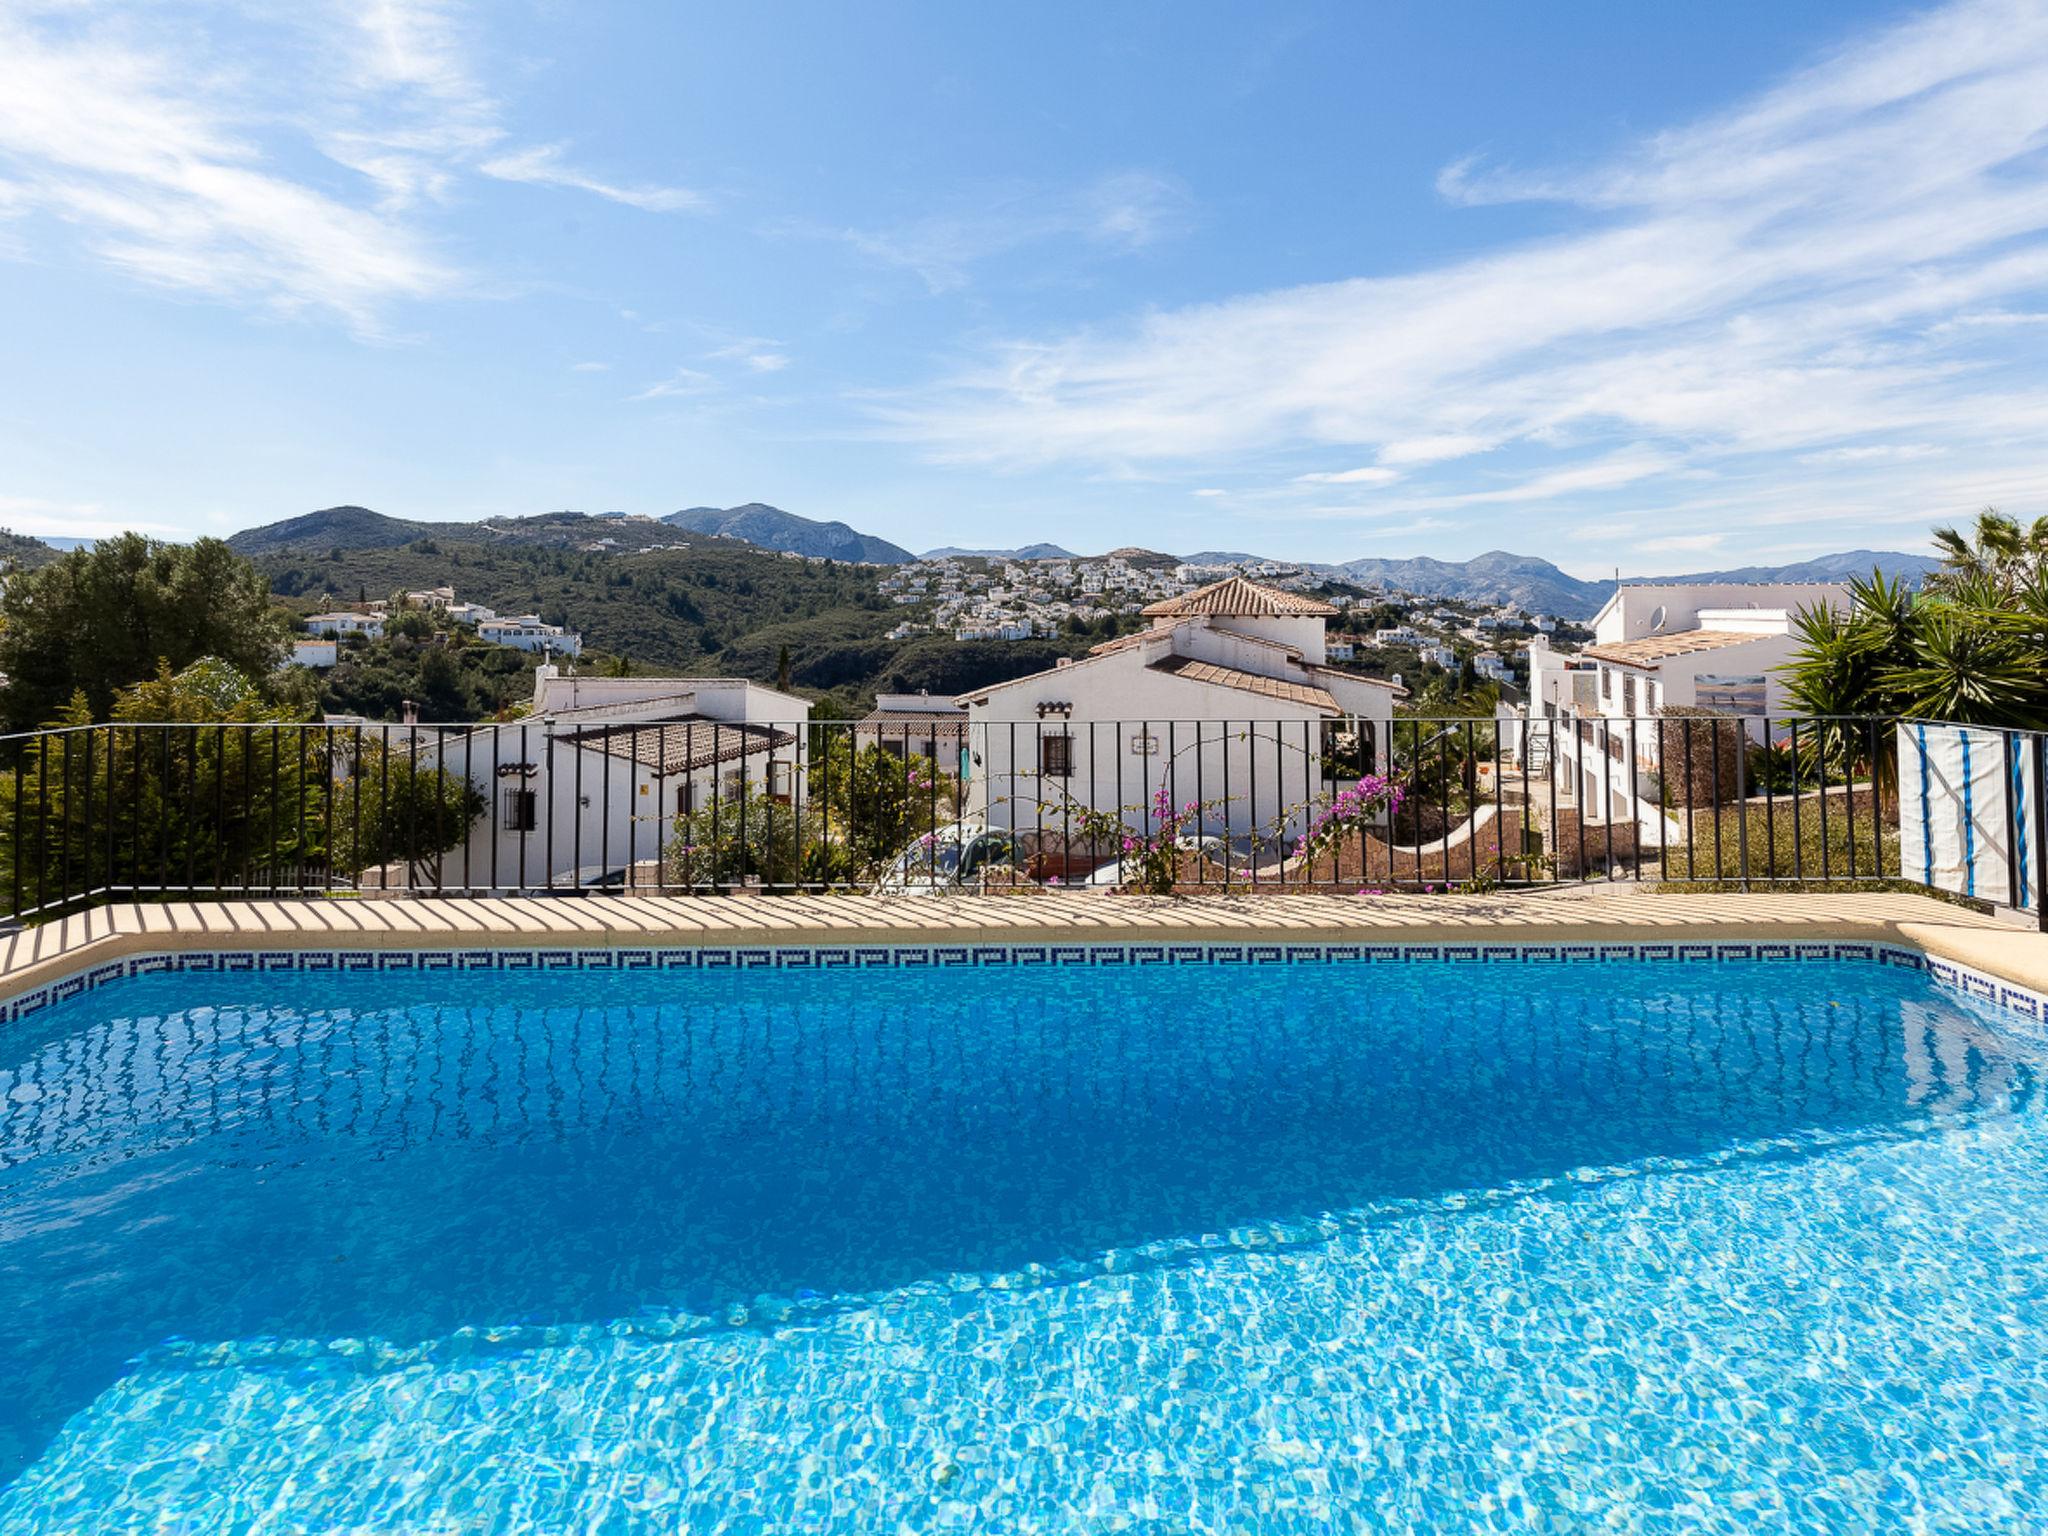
1628 614
1134 729
593 808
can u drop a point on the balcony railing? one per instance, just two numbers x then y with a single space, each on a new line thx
167 811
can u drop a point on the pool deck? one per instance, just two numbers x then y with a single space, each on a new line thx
34 957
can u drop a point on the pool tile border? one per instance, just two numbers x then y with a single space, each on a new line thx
2029 1005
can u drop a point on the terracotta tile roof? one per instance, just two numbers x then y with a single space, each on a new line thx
1234 597
679 744
1652 649
1196 671
913 725
1125 642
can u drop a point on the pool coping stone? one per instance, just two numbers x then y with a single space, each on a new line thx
36 957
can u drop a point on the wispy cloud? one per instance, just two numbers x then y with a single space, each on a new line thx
684 381
543 166
178 154
43 518
1682 544
121 137
758 354
1372 474
1123 212
1775 284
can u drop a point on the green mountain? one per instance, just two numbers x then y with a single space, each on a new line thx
772 528
19 552
360 528
716 608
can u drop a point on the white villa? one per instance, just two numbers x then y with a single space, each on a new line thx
368 625
526 632
1225 699
1715 646
599 755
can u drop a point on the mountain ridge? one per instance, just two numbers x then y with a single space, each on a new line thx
1022 552
1496 576
767 527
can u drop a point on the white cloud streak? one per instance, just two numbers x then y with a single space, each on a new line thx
1814 272
1119 213
543 166
682 383
116 138
176 153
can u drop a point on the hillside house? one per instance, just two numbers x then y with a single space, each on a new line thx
591 782
526 632
1227 699
369 625
1717 646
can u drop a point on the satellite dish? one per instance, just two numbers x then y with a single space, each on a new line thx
1657 617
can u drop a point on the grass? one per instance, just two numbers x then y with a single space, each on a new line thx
1782 843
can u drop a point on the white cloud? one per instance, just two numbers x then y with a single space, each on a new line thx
1212 490
543 166
174 141
1776 282
1875 453
590 367
1434 449
1682 543
759 353
42 518
121 141
684 381
1123 212
1370 475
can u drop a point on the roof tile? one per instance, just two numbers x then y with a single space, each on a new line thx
1234 597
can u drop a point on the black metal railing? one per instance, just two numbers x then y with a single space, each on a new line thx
166 810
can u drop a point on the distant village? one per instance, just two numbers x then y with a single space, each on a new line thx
321 647
979 598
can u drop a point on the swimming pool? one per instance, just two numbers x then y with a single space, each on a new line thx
1024 1240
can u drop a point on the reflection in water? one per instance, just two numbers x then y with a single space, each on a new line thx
402 1158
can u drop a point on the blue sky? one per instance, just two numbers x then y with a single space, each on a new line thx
1663 287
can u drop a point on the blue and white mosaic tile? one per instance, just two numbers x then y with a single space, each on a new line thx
2028 1004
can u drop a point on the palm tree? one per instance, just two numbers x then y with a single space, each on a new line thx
1842 675
1975 652
1999 551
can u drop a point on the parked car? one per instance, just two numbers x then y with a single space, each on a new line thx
957 856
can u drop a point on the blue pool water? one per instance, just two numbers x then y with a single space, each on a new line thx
1663 1248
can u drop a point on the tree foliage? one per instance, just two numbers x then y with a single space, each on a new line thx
1972 649
100 619
877 803
197 782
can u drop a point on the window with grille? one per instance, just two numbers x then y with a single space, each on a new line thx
1628 695
521 810
1056 756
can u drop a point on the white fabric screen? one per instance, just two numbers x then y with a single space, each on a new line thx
1967 811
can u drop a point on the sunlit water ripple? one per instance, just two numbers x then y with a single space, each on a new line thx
1666 1248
